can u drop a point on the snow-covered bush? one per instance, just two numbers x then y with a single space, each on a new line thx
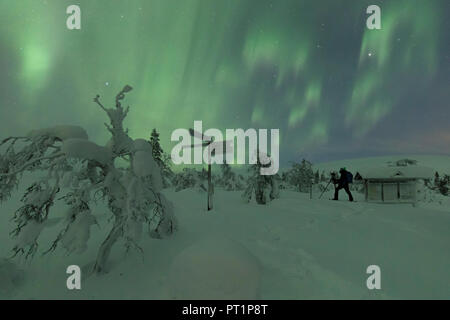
215 268
441 184
84 172
190 178
229 180
265 188
301 176
429 194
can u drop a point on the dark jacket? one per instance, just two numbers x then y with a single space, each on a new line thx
343 179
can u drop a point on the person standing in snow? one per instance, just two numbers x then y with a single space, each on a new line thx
342 183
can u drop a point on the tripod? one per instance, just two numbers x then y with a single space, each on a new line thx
326 188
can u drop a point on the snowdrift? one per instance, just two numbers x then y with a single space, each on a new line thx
11 278
215 268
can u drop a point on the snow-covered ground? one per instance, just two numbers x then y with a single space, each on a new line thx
295 247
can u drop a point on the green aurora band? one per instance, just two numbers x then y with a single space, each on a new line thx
301 66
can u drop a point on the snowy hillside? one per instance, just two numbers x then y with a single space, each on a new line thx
292 248
438 163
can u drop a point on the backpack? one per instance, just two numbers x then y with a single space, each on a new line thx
349 177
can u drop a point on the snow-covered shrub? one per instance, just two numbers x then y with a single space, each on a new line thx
301 176
84 172
190 178
215 268
428 194
438 185
358 187
265 188
229 180
442 184
285 183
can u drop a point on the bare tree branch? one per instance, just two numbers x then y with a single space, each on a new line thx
97 100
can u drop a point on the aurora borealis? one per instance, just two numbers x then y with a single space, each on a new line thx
310 68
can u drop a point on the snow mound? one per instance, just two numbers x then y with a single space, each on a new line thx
83 149
61 132
11 278
215 268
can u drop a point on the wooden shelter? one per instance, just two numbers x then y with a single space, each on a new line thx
394 184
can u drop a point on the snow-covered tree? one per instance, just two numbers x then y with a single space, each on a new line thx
316 177
301 175
323 177
285 181
444 185
440 184
265 188
229 180
437 180
157 151
161 158
79 172
190 178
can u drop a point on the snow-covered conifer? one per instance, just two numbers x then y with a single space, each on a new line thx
265 188
229 180
316 177
190 178
301 175
161 158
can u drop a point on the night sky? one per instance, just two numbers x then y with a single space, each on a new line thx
310 68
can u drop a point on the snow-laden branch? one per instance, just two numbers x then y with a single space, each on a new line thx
30 163
12 138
